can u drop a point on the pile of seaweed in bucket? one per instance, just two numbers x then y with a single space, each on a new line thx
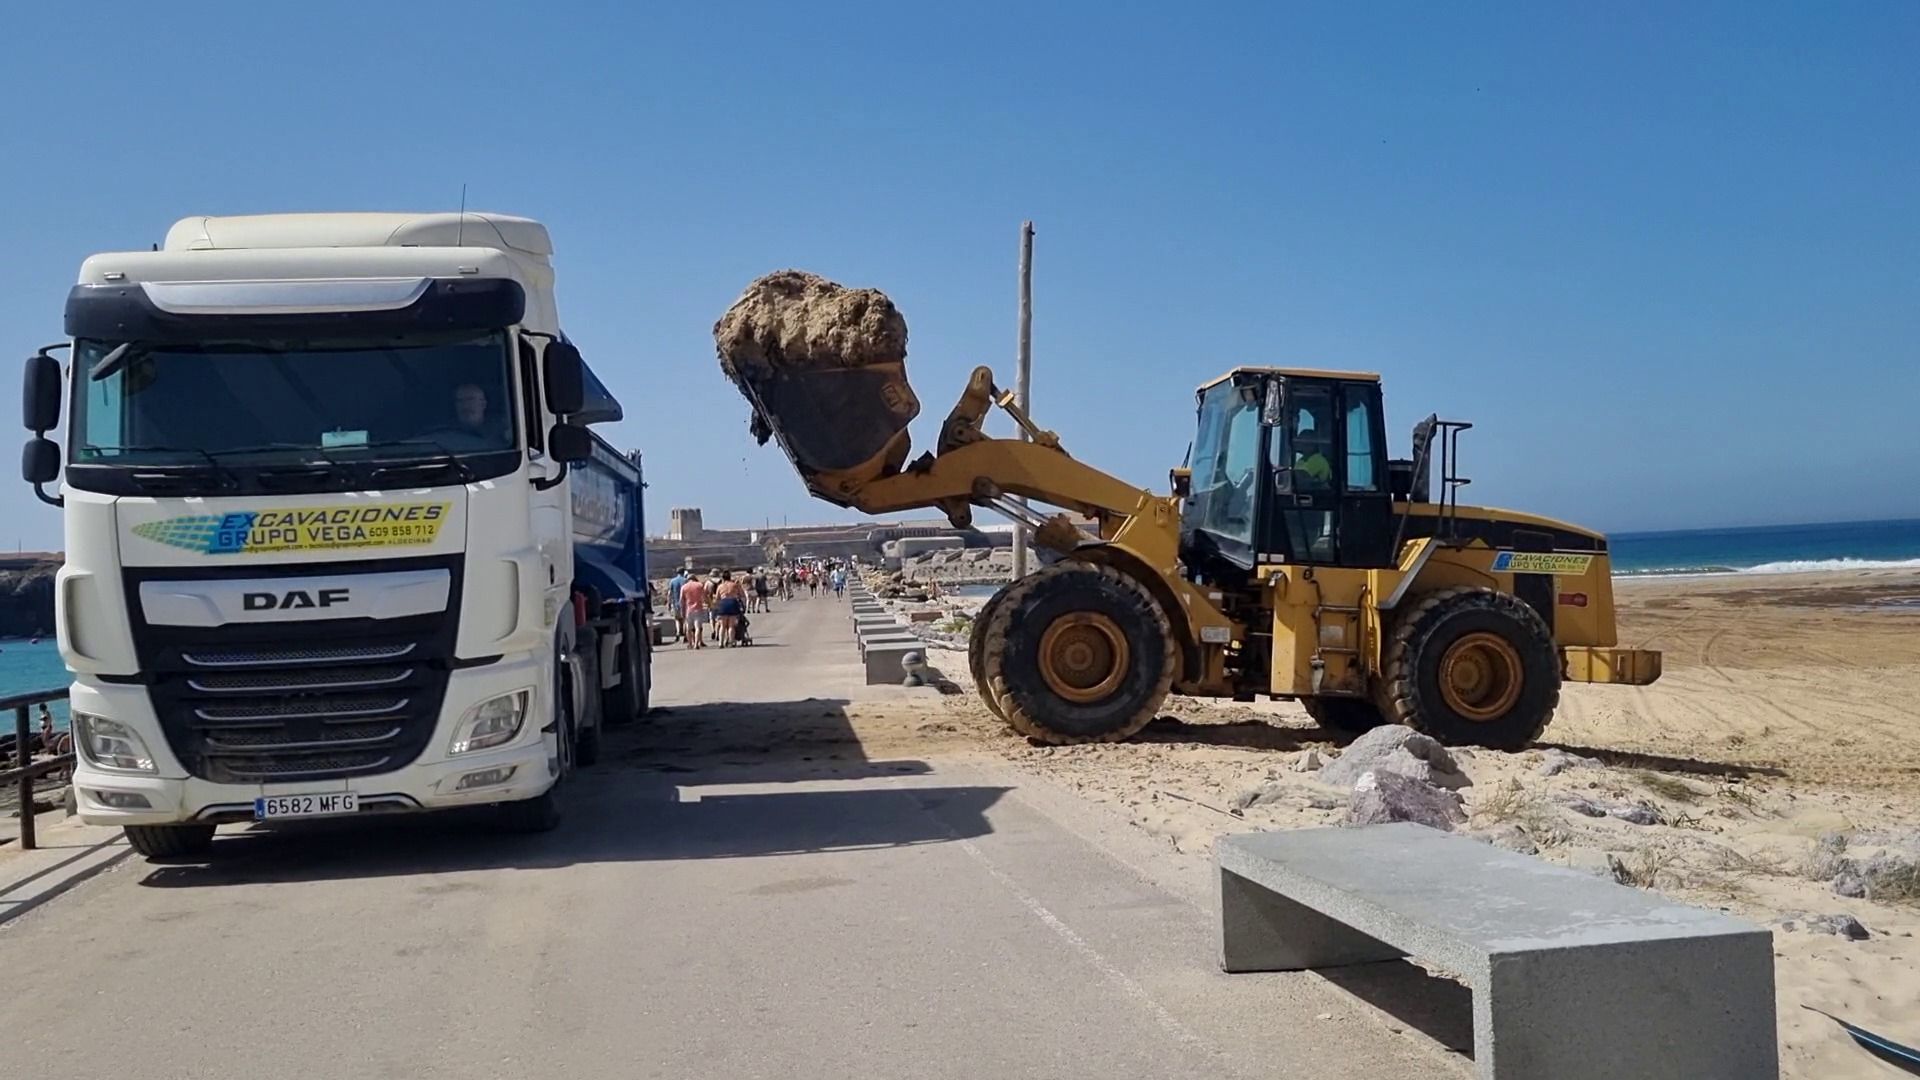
791 319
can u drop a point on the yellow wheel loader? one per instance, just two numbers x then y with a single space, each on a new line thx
1292 559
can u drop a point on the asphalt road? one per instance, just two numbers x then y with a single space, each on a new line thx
707 917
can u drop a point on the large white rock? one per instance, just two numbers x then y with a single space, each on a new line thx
1395 749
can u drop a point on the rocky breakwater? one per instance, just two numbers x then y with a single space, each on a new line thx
26 594
959 566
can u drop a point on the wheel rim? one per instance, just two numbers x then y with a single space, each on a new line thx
1083 656
1480 676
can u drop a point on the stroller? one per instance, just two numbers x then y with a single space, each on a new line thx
740 634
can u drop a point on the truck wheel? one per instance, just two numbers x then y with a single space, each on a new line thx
626 702
1078 653
542 812
977 651
169 841
591 717
1351 716
536 815
1471 666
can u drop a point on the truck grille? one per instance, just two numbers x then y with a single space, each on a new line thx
275 702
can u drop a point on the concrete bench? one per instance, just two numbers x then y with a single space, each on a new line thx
882 659
899 638
1573 977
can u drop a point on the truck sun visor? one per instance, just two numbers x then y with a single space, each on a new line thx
161 312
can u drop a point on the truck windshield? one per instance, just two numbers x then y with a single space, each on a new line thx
356 398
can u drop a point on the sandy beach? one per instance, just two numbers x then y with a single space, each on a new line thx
1789 710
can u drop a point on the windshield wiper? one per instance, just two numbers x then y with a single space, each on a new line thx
447 458
226 477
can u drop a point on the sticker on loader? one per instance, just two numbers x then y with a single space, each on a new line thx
1541 562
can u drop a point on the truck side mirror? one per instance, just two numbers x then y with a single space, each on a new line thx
40 461
570 444
40 393
563 378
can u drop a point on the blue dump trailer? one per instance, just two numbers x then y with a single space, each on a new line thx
612 665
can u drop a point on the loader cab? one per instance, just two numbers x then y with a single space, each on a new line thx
1288 466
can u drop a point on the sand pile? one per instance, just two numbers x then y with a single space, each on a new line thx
792 319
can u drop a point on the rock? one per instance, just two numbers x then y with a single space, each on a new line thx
1892 877
1842 924
1268 792
1636 815
1509 836
1307 761
1851 885
1556 762
1586 807
1379 798
1829 858
1394 748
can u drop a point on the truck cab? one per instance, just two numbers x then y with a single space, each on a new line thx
318 491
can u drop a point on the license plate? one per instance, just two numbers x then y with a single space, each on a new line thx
323 804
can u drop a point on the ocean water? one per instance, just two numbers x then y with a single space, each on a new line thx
1770 549
26 666
1764 549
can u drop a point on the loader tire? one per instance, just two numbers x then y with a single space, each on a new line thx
1349 716
1078 653
1471 666
977 651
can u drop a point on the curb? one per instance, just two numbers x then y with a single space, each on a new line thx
31 878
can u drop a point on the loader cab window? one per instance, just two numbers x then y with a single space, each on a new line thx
1360 428
1226 470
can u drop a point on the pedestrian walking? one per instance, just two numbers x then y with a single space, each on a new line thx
674 583
839 582
693 608
730 603
762 589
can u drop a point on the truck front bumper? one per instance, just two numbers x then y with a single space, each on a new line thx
522 769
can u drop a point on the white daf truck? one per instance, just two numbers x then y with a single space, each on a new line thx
320 526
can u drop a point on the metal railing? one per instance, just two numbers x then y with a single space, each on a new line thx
26 770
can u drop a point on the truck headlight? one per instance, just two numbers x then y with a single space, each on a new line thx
490 723
110 744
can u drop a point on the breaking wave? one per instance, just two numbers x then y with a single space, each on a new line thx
1798 566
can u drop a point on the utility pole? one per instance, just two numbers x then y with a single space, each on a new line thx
1023 375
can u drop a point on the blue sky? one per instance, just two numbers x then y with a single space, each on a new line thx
1665 257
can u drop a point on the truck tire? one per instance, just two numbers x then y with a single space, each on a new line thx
169 841
621 704
1078 653
536 815
1349 716
586 748
542 812
977 651
1471 666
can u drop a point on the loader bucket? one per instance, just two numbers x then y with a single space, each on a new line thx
824 367
841 427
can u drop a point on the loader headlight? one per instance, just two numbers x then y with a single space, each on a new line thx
110 744
491 723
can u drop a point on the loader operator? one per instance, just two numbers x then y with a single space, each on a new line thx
1309 463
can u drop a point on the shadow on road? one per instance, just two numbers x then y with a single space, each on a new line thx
701 782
